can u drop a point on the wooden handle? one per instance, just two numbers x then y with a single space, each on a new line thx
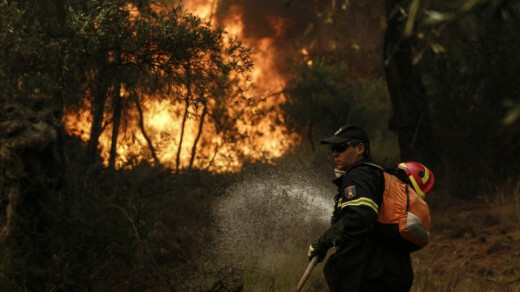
306 274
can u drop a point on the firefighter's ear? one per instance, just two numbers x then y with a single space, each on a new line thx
360 148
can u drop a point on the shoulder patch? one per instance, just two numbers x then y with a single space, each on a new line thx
350 192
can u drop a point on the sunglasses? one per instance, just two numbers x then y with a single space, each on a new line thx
340 147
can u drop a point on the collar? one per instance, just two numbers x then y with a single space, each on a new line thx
340 173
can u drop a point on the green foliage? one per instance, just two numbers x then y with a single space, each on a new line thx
321 100
318 98
28 56
128 230
154 48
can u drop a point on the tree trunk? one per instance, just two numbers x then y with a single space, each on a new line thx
411 115
116 110
184 118
199 133
156 160
98 110
116 121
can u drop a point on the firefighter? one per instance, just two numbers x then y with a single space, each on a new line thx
361 262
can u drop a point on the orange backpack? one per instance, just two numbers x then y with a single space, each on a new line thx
404 218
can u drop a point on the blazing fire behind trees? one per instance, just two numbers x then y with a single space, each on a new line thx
181 129
182 99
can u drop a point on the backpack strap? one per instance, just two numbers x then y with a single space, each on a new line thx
365 163
373 165
388 173
399 173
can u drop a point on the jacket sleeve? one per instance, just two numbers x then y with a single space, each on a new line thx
362 192
332 236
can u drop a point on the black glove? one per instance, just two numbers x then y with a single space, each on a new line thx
331 238
318 249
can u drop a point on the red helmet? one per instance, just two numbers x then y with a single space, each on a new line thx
420 176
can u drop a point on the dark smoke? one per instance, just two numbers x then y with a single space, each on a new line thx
257 15
351 31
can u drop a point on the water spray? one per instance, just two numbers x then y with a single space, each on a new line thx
258 219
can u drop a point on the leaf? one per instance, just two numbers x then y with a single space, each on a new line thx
437 48
434 17
414 7
512 115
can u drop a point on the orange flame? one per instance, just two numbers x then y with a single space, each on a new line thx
262 123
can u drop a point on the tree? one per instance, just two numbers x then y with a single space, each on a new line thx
464 51
411 118
153 52
319 100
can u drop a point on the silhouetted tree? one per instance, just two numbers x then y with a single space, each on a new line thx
411 118
465 51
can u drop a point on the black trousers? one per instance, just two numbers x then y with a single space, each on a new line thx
386 283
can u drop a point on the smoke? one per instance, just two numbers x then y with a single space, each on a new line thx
258 18
269 19
270 212
349 30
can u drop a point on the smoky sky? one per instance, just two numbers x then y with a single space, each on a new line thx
258 17
258 14
356 32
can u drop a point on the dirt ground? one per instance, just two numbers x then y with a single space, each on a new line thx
475 246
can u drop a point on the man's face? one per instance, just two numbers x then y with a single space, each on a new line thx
345 159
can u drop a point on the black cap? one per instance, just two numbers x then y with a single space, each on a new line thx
346 133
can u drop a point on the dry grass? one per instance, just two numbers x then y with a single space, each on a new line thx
475 247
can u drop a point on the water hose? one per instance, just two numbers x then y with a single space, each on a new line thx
307 273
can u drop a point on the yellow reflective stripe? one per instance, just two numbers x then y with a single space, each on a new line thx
426 175
417 188
362 202
336 205
311 250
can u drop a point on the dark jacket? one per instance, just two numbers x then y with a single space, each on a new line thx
362 262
